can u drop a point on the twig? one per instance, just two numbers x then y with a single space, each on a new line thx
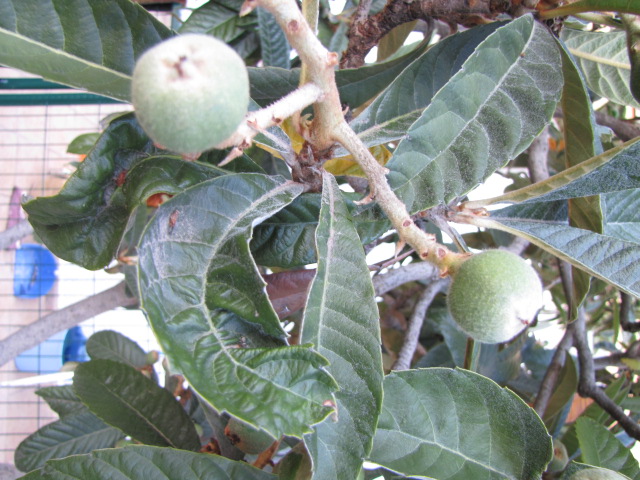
550 379
518 245
624 130
260 120
468 353
587 383
539 157
364 35
627 313
399 276
377 267
415 324
33 334
15 233
424 243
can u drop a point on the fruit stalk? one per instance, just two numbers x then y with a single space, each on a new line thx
274 114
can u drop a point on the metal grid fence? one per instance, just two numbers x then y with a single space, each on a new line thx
34 161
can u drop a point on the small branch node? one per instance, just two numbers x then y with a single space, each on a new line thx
247 7
332 59
293 27
231 156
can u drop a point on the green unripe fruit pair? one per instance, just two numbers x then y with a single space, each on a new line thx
494 296
190 92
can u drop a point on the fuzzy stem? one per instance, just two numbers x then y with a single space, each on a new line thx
310 12
274 114
423 243
319 62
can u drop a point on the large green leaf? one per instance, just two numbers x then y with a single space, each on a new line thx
145 463
111 345
600 447
500 363
85 221
287 238
356 85
62 399
612 171
164 174
341 320
483 117
88 44
274 45
605 62
221 19
201 291
609 258
72 435
455 424
623 215
392 113
127 399
617 391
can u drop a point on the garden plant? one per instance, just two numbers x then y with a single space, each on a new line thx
340 286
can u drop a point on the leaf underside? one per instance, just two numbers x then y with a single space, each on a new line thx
455 424
482 118
204 297
341 320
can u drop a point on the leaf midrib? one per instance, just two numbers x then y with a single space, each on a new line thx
598 59
63 53
222 240
422 441
135 410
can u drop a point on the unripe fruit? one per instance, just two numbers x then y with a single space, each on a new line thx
246 438
494 296
560 457
190 92
597 474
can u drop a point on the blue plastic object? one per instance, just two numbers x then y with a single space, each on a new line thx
34 271
50 355
73 348
45 358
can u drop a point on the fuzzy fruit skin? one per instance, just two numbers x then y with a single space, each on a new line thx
246 438
597 474
190 92
494 296
560 457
